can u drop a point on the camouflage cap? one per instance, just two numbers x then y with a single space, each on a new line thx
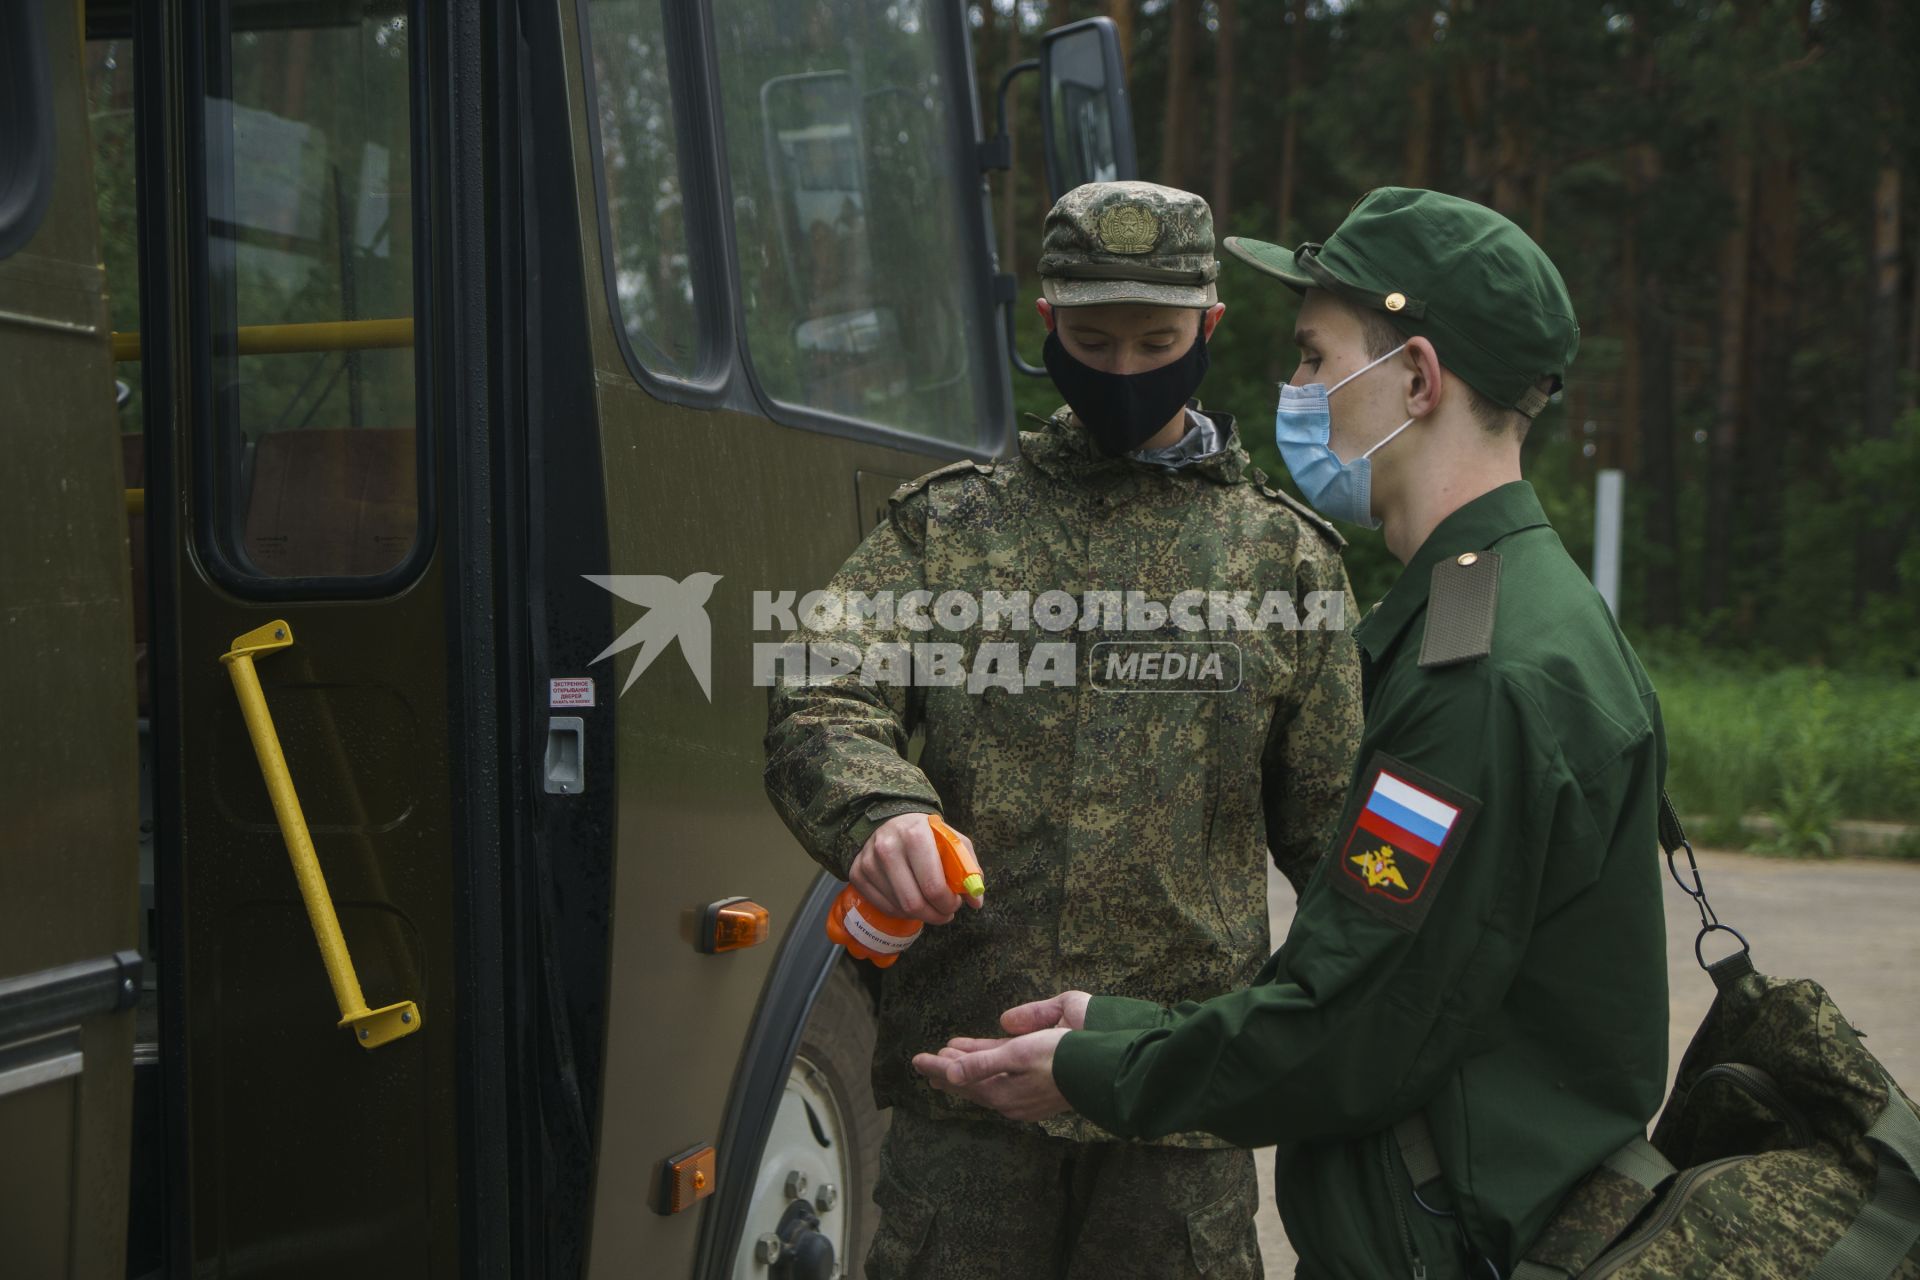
1454 272
1128 242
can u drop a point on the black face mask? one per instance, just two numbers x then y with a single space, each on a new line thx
1122 411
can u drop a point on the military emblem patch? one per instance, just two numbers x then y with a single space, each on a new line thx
1402 841
1128 228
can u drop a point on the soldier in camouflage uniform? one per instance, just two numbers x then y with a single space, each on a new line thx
1123 833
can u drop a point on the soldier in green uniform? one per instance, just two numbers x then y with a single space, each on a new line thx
1470 1012
1123 822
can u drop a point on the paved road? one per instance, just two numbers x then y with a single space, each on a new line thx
1849 924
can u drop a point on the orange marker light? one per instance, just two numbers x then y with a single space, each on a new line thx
689 1178
732 924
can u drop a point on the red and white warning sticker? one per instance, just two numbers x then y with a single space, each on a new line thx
570 691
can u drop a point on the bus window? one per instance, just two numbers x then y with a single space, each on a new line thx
650 263
856 280
310 277
26 126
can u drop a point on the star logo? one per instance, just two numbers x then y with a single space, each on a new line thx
674 611
1128 229
1377 866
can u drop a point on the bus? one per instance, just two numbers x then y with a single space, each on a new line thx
413 412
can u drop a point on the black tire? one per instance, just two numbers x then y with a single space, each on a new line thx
837 1041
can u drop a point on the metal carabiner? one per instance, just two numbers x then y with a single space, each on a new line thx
1673 840
1699 942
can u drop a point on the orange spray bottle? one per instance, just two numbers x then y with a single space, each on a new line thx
871 934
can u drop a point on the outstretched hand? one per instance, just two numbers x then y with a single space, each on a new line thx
1068 1009
1014 1077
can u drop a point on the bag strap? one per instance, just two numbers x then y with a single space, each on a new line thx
1889 1225
1672 834
1417 1151
1898 1129
1639 1162
1673 839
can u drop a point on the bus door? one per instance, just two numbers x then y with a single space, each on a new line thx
298 656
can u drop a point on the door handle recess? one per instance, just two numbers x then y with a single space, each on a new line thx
371 1027
566 760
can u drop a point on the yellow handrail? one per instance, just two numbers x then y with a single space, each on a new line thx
372 1027
285 339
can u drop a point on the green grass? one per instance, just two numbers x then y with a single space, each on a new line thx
1805 745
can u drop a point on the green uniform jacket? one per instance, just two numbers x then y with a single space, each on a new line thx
1123 835
1513 987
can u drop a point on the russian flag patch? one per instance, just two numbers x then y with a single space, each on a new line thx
1402 841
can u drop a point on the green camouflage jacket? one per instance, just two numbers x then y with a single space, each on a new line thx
1122 819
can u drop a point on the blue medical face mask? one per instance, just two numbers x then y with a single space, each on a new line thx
1302 426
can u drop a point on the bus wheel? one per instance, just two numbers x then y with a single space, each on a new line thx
812 1214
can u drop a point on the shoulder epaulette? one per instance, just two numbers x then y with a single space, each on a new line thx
1270 490
966 466
1462 600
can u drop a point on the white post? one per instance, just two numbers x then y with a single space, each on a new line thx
1608 492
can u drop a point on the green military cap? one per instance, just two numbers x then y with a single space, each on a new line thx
1451 271
1128 242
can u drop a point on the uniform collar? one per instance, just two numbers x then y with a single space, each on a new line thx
1474 527
1063 448
1203 439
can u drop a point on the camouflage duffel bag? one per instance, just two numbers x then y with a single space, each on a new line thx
1796 1152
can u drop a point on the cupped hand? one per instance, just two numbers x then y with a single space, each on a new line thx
1014 1077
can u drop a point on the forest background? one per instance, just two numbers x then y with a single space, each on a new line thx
1731 191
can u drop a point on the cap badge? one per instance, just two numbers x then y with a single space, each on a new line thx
1128 228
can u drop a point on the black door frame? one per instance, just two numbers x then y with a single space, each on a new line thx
526 518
